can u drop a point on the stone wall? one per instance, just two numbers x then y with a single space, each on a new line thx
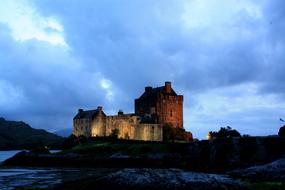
148 132
129 127
170 110
82 127
98 126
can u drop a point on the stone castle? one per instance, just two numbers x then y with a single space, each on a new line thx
153 109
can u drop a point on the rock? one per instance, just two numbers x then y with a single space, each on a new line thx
41 150
119 156
166 179
274 171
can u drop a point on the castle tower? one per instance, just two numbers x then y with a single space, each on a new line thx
162 104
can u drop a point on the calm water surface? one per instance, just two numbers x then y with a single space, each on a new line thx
7 154
38 178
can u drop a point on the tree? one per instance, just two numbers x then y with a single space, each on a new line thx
73 140
171 134
281 132
224 132
168 133
115 133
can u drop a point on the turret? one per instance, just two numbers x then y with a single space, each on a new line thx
167 86
99 108
120 112
148 89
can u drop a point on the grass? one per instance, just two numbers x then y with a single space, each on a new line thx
265 185
105 148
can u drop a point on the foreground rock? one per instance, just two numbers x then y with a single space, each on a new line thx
274 171
158 179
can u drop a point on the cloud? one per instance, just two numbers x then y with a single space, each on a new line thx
225 56
26 23
240 106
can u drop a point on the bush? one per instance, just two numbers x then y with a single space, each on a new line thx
73 140
171 134
115 133
168 133
281 132
224 132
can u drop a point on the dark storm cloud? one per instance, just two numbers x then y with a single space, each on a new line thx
123 37
274 54
42 82
118 47
135 36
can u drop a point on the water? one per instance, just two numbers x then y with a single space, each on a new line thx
41 178
38 178
8 154
34 178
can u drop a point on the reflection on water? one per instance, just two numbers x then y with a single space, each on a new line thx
11 178
41 178
7 154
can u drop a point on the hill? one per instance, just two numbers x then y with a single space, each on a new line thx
19 135
63 132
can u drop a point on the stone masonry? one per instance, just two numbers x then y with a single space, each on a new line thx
162 105
153 109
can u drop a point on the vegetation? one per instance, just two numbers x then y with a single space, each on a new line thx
265 186
106 146
72 141
115 133
172 134
224 132
281 132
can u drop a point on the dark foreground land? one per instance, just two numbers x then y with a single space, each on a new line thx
237 163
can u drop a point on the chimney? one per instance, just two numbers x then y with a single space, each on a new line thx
148 89
99 108
120 112
168 86
80 110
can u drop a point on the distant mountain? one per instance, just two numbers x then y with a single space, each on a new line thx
64 132
19 135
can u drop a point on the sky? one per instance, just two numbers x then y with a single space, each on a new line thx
227 57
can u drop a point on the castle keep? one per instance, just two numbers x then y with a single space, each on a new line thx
154 108
162 105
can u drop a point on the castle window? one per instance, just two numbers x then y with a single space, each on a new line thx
171 113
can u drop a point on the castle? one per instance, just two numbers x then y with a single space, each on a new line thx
153 109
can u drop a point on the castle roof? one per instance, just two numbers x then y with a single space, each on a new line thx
151 93
88 114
